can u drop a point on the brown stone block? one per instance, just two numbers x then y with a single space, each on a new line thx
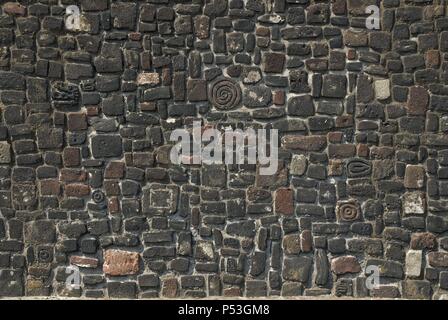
77 190
284 201
120 263
345 264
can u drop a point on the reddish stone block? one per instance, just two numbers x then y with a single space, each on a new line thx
114 170
120 263
306 241
113 205
71 157
344 121
351 54
345 264
432 58
50 188
438 259
263 32
339 7
232 292
14 8
335 137
73 175
424 240
77 121
274 62
291 244
92 111
112 187
135 36
279 98
284 201
148 106
77 190
418 101
170 288
362 150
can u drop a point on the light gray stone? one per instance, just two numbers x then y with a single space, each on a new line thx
298 165
414 263
382 89
414 203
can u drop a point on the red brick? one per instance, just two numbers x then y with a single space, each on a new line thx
73 175
71 157
345 264
279 98
77 190
121 263
284 201
50 188
114 170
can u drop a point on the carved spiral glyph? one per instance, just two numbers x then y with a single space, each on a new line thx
225 94
348 211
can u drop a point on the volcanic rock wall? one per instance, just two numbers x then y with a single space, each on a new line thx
92 206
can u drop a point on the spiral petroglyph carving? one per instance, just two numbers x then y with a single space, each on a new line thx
98 196
348 211
225 94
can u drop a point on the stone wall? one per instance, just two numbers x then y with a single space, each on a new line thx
87 184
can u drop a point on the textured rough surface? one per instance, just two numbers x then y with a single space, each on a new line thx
86 181
120 263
